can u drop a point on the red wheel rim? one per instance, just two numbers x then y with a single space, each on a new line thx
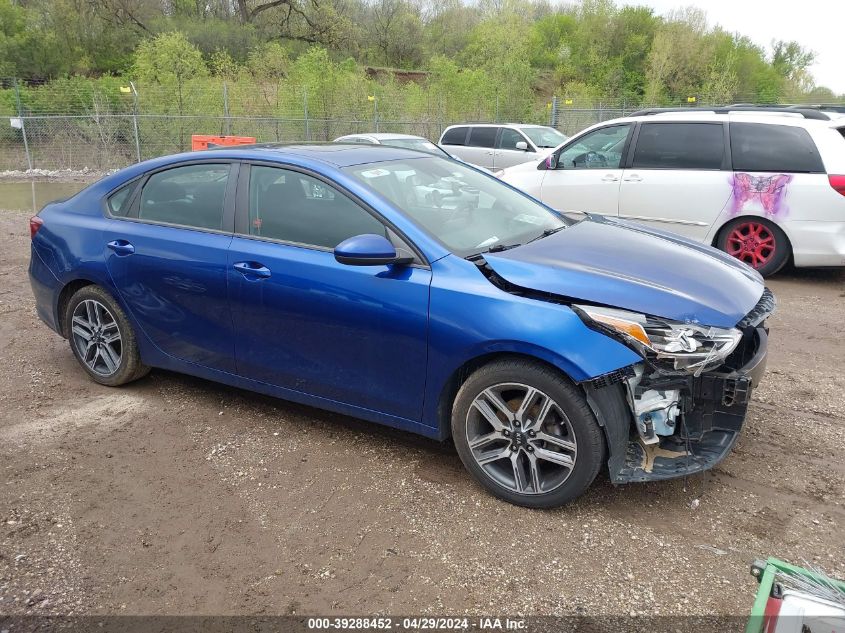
751 242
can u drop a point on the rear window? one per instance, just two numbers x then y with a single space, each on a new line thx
455 136
680 146
483 136
118 201
189 196
765 147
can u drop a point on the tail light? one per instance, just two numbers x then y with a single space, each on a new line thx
838 183
35 223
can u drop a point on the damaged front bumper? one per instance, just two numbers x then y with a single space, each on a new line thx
711 413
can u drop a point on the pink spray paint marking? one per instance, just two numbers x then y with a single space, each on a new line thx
768 190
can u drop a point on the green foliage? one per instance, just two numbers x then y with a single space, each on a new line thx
168 58
484 58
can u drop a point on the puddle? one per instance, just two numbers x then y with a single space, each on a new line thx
32 195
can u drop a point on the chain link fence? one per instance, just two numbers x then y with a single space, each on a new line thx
79 124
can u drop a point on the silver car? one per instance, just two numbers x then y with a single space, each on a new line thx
499 145
408 141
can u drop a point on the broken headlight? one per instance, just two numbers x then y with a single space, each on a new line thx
686 347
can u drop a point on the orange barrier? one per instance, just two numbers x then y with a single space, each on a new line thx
204 141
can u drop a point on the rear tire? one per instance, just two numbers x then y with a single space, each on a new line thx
527 434
756 241
102 338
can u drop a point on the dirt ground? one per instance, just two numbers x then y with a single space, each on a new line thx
179 496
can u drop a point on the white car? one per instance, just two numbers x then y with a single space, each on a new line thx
764 186
499 145
407 141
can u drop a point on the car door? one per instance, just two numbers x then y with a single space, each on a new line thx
352 334
481 146
512 148
678 177
168 259
454 141
587 172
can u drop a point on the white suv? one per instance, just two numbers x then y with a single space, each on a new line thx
499 145
760 185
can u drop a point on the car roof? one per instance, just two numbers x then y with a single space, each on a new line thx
520 125
694 115
334 154
382 136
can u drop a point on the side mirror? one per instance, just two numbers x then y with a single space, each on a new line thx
521 145
368 250
551 161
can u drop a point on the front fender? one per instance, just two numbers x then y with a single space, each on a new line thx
471 318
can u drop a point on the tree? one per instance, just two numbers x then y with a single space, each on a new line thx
396 30
171 60
791 61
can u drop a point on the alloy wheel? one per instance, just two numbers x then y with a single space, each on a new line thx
521 438
752 243
96 337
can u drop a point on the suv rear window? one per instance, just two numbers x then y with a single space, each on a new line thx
680 146
455 136
483 136
765 147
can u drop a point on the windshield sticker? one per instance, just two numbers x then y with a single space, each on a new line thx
768 191
529 219
375 173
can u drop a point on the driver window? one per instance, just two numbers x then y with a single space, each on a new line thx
600 149
294 207
509 138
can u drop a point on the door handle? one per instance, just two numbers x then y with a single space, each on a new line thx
610 178
121 247
252 269
632 178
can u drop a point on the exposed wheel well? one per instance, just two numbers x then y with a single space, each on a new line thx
64 298
459 376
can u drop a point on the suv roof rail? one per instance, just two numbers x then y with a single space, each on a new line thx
807 113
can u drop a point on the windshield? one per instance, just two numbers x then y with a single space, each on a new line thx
468 211
544 136
419 144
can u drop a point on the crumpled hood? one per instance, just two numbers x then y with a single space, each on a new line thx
625 265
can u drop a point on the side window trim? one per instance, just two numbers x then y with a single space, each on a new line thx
809 137
483 127
633 128
466 129
628 147
241 219
727 161
631 147
519 133
127 204
133 214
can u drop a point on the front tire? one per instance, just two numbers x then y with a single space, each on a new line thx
102 338
756 241
527 434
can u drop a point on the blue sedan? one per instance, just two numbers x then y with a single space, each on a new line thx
417 292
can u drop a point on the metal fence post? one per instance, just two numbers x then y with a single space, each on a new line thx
226 120
553 115
305 107
375 112
23 125
135 121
